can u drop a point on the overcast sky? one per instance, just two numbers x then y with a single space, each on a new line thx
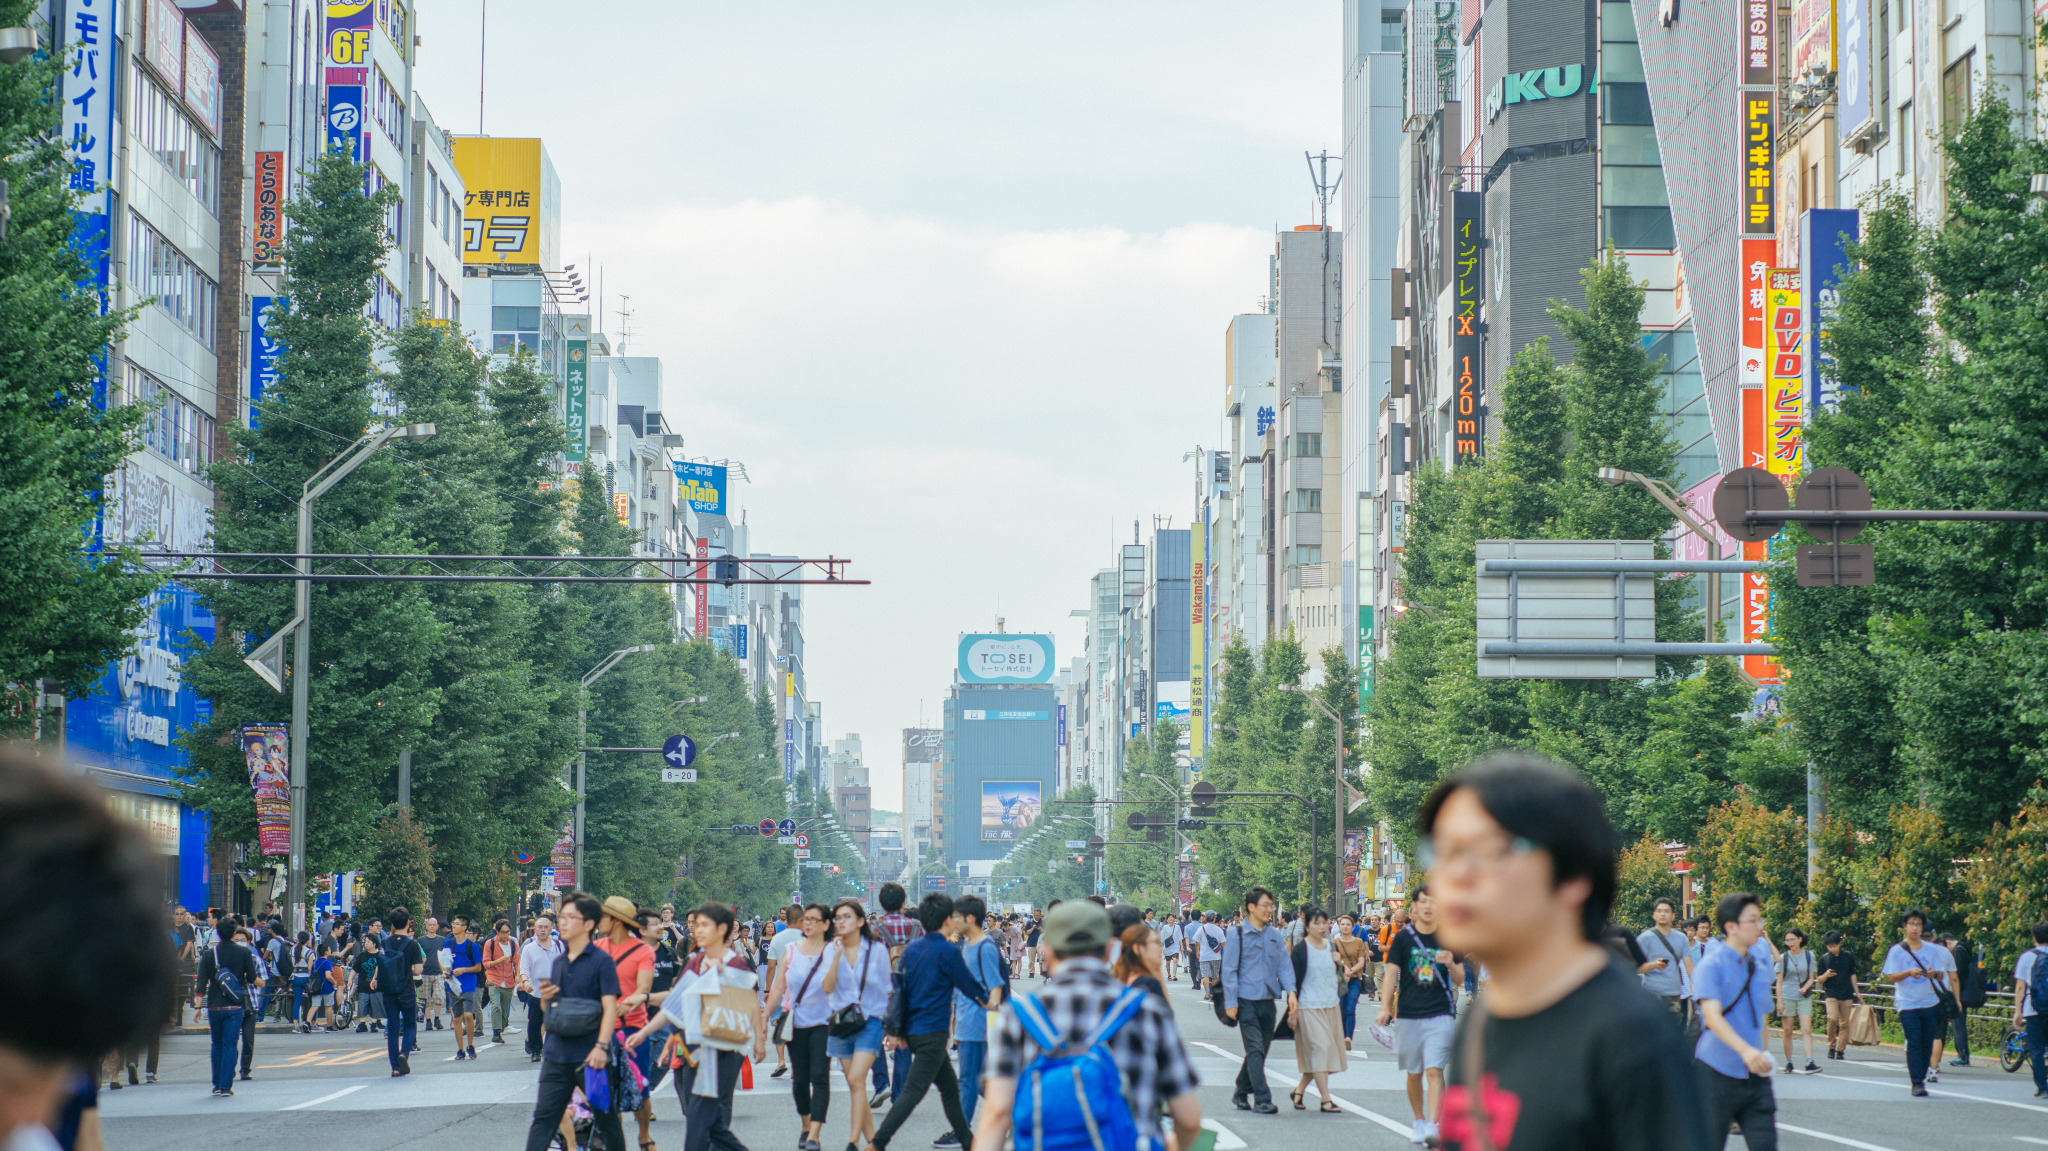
950 278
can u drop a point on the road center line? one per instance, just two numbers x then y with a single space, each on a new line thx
324 1098
1941 1091
1404 1130
1842 1139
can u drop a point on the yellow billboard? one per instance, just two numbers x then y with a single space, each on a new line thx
510 203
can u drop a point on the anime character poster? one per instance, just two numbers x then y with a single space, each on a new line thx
266 748
1008 809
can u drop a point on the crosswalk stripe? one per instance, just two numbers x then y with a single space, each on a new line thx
1402 1129
324 1098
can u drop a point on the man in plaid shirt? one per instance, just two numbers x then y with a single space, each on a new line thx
899 931
1077 994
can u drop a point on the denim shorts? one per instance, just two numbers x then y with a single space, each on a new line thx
869 1042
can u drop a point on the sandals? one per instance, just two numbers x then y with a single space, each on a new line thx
1296 1096
1331 1107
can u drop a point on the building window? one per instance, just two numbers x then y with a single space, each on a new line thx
1390 29
179 431
388 307
1308 499
158 270
1955 92
391 110
1685 405
164 131
1306 443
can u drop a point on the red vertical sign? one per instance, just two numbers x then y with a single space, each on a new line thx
703 590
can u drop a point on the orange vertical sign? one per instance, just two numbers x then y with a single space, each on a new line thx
1756 590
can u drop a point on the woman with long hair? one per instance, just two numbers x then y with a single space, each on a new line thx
1318 1014
803 986
861 978
1140 960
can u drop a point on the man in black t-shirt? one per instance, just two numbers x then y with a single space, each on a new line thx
402 963
1422 977
1564 1050
1836 974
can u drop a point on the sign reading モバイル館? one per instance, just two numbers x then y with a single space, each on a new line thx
1005 658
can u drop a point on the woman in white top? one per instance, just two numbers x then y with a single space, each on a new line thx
860 975
1318 1014
803 986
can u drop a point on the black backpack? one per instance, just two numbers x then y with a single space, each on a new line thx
394 973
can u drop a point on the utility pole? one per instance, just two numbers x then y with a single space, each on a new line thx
1337 884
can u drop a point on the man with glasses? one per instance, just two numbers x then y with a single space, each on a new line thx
1733 984
1257 973
583 973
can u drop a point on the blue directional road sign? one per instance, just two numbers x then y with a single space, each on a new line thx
768 828
678 751
788 827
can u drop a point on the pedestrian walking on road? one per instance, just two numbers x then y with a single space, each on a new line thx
861 980
320 988
1352 956
1970 992
1836 971
707 1113
465 962
898 931
1563 1049
1209 953
970 1016
787 932
1734 983
1258 988
1798 971
433 993
1670 976
618 935
802 991
1170 933
536 960
501 975
581 998
932 971
1919 971
227 979
1081 1003
2030 1005
1318 1015
393 978
1417 998
369 1001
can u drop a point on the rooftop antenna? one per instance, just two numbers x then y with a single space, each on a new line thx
1319 174
625 323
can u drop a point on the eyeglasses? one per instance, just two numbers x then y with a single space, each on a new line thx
1480 857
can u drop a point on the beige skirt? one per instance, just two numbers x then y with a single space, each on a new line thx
1319 1040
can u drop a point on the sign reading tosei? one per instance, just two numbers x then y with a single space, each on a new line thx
1005 658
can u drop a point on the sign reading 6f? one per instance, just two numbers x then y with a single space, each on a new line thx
348 46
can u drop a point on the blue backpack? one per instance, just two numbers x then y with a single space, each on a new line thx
1076 1102
2037 982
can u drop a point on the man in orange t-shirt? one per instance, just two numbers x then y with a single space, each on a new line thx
619 932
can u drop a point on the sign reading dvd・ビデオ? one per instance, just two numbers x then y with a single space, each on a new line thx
1005 658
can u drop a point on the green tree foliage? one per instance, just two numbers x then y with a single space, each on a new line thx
1839 899
1918 869
1042 868
400 868
1744 846
2008 882
63 616
372 691
1140 870
1643 876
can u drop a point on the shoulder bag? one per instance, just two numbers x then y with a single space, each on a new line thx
1945 1006
569 1017
1216 993
783 1022
726 1017
852 1019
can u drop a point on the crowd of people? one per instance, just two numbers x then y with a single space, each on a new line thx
1501 987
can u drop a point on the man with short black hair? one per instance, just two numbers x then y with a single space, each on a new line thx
2029 1013
582 977
1419 997
1734 988
1258 975
402 962
465 963
1670 974
1522 866
898 931
919 1016
1079 993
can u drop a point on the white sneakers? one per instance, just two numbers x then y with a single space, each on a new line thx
1420 1133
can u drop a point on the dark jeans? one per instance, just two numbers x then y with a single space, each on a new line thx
400 1035
897 1064
810 1073
249 1021
1351 993
533 1030
1749 1102
1921 1025
1960 1025
557 1082
1255 1027
226 1029
928 1065
708 1118
2037 1047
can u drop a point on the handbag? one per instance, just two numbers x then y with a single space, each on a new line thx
1945 1006
852 1019
783 1021
726 1017
568 1017
1216 992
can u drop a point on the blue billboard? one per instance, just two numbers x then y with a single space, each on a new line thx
345 120
264 353
703 485
1005 759
1005 658
1824 236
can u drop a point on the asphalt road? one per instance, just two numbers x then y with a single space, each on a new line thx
335 1090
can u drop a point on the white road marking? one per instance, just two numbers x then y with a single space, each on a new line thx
2031 1139
1404 1130
324 1098
1942 1091
1226 1139
1842 1139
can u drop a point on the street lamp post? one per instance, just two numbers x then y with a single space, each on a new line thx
582 738
1337 808
1662 493
315 486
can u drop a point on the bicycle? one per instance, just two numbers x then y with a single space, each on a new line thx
2012 1051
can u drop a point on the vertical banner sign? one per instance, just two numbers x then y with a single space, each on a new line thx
1823 234
1759 166
1756 275
1186 875
1786 380
202 81
575 399
1469 439
266 748
263 355
789 740
562 859
739 641
89 26
1198 544
702 590
1852 65
348 74
1354 855
1756 593
266 206
1759 45
1365 653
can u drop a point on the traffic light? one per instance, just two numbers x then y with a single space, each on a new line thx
1193 824
726 570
